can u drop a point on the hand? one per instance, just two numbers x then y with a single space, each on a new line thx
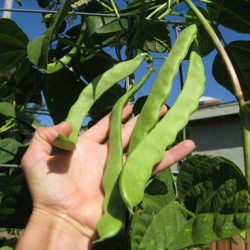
69 184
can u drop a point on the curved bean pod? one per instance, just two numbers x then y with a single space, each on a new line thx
162 86
111 222
66 59
91 93
139 165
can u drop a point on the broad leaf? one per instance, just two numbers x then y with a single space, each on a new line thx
208 184
61 90
216 191
102 31
8 109
38 49
13 44
209 227
158 195
10 28
164 227
239 53
8 149
152 36
232 14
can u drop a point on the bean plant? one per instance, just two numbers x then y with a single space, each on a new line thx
85 65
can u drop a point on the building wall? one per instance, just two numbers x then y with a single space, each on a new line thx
216 130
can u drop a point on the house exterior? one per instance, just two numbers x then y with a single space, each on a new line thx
216 130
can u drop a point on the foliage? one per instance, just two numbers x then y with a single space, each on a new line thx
211 198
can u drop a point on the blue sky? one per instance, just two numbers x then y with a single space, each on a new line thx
33 26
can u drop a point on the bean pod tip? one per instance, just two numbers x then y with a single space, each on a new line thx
62 142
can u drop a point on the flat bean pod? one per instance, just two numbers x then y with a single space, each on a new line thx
162 86
91 93
139 165
113 207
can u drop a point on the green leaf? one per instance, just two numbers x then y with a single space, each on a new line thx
8 109
153 36
158 195
101 31
164 227
209 227
239 53
209 184
232 14
8 149
10 28
38 48
61 90
96 65
217 192
13 43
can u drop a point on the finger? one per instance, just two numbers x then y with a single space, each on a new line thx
99 131
129 126
42 141
175 154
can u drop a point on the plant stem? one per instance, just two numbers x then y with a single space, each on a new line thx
245 120
233 76
105 5
167 11
115 9
156 10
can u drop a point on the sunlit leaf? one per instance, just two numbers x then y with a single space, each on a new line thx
216 191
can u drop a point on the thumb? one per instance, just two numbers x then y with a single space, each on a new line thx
42 141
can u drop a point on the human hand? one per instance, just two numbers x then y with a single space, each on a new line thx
68 185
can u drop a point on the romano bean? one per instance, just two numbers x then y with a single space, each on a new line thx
139 165
160 91
91 93
66 59
113 207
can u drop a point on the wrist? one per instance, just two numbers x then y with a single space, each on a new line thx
55 230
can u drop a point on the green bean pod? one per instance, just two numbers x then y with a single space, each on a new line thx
66 59
91 93
162 86
111 222
139 165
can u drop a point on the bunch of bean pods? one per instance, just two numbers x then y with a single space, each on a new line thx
124 183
